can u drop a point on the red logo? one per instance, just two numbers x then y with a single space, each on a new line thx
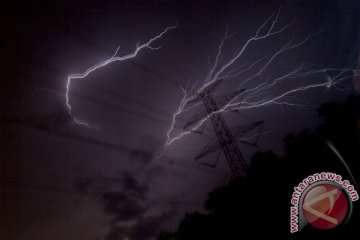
325 206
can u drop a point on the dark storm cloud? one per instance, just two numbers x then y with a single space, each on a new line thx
122 206
126 202
154 171
144 229
118 232
124 196
133 187
140 156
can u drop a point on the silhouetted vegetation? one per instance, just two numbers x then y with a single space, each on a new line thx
259 205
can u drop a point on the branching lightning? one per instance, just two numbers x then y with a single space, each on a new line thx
114 58
255 94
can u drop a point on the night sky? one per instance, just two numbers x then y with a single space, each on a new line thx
59 180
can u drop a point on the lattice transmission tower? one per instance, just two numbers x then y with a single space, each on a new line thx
226 138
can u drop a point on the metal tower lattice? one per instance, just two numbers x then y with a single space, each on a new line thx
226 139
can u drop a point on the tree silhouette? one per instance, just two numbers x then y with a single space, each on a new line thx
259 205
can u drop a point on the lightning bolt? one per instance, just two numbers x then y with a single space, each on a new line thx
258 88
114 58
